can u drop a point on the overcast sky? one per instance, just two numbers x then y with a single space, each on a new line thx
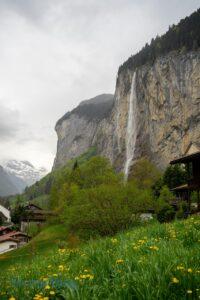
55 53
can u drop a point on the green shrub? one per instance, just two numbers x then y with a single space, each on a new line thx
166 214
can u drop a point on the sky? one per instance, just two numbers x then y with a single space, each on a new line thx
56 53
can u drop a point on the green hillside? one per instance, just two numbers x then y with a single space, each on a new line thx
154 262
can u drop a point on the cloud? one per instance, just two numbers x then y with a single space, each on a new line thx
55 53
9 123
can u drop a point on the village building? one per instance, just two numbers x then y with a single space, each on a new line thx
5 214
34 214
10 240
191 160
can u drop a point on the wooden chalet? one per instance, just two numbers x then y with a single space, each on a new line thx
34 214
191 160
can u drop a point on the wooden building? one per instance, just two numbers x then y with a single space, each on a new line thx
191 160
34 214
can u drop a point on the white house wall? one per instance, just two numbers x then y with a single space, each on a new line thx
5 212
5 246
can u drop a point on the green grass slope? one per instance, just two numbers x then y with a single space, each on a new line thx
149 262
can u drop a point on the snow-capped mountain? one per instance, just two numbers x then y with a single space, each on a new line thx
24 171
7 184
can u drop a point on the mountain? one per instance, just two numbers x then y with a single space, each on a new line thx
155 111
23 173
7 185
77 130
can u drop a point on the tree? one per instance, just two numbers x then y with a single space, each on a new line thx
174 176
144 174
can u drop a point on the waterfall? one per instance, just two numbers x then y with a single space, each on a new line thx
131 127
117 121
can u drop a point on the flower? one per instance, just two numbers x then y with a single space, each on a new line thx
175 280
189 270
61 267
155 248
114 241
52 293
189 292
119 261
47 287
12 298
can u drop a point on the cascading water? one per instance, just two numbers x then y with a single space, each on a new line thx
131 127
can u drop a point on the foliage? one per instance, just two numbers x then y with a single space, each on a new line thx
17 213
182 37
144 174
174 176
1 220
166 213
161 261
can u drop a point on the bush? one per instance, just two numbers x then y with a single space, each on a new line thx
104 210
166 214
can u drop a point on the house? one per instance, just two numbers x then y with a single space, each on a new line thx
34 214
5 214
12 240
191 160
5 229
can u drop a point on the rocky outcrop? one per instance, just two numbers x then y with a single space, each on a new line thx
168 108
83 127
155 113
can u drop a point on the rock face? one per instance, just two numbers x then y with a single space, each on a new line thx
80 129
155 113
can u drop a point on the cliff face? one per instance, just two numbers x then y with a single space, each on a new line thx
156 113
81 128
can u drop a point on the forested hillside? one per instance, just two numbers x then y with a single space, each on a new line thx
184 36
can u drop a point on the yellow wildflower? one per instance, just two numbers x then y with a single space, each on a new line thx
119 261
47 287
52 293
12 298
189 270
154 248
189 292
175 280
114 241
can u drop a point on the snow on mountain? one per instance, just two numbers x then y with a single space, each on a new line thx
24 171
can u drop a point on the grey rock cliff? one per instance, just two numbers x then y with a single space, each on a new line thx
166 115
79 129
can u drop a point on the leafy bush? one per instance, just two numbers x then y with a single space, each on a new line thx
104 210
166 214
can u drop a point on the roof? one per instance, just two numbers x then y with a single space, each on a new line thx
31 205
6 238
12 235
2 228
186 158
180 187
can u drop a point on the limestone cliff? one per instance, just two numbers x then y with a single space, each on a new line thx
167 109
81 128
155 113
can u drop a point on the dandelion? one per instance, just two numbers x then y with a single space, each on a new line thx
114 241
119 261
180 268
61 268
155 248
12 298
52 293
189 270
47 287
175 280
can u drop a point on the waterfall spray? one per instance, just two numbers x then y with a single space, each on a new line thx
131 127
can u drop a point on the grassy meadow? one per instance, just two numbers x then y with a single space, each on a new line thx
157 261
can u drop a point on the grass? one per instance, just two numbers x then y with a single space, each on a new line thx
149 262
